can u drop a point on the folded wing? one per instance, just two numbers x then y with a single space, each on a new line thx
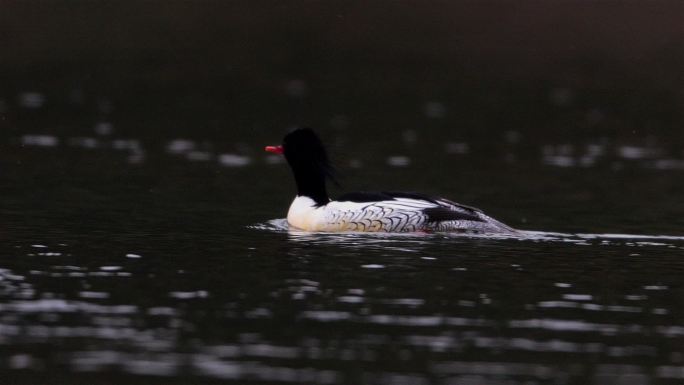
406 212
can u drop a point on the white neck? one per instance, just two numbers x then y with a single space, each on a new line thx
304 214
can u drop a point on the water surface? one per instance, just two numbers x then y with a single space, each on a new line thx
141 231
173 268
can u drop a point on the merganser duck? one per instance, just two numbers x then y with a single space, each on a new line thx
313 210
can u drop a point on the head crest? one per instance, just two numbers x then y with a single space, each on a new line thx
304 149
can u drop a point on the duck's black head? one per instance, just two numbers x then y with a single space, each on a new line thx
308 159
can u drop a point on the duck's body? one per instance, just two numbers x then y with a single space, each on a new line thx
391 212
312 210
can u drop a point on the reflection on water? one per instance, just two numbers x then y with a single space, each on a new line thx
557 155
351 239
414 309
39 140
165 285
31 100
130 181
570 156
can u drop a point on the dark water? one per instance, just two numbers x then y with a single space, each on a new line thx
141 238
169 267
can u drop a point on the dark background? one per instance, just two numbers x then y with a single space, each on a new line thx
553 70
536 110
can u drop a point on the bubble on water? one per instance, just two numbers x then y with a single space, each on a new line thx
326 315
595 149
398 161
49 254
39 140
93 294
84 142
404 301
104 128
655 287
51 305
180 146
434 110
68 268
189 294
669 164
636 152
350 299
32 100
634 297
162 311
199 156
110 268
559 160
21 361
373 266
233 160
578 297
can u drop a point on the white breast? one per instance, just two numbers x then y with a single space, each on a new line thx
303 214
